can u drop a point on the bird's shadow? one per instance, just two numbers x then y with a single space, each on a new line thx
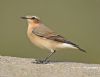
52 62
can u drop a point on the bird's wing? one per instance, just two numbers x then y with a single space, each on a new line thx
43 31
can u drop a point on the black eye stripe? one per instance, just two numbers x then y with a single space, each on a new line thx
33 18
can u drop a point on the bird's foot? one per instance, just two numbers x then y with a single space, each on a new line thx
42 61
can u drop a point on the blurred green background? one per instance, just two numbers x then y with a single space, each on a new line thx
76 20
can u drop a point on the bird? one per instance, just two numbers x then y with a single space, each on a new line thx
46 38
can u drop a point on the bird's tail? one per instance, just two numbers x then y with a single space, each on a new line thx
75 45
81 49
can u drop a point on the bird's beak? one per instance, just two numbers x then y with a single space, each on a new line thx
24 17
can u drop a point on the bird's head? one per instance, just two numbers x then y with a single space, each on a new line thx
32 19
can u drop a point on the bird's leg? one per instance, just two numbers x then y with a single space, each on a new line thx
45 60
53 51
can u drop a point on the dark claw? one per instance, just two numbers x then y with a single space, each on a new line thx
41 62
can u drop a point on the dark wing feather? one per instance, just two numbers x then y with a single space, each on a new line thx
59 38
56 37
45 32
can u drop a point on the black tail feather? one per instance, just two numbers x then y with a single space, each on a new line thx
81 49
75 45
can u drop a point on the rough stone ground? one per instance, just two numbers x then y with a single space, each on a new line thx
23 67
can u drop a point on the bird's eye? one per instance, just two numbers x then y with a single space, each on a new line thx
33 18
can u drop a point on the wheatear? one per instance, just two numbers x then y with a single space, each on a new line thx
44 37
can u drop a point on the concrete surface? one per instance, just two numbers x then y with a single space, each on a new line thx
23 67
